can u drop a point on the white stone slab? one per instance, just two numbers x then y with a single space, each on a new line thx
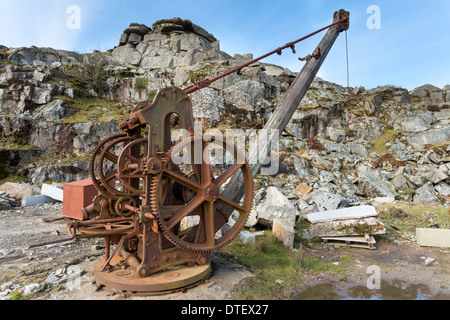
347 227
52 192
343 214
428 237
384 199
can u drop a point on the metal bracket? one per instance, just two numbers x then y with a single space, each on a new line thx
315 54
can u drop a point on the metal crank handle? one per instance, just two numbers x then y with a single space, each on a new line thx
50 242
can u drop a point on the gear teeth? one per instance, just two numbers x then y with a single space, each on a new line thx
98 149
110 189
120 211
102 231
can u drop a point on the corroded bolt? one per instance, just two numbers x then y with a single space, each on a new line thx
123 125
105 204
134 120
202 260
143 272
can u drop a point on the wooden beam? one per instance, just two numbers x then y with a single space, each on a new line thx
284 112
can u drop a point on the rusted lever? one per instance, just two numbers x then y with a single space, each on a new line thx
50 242
72 237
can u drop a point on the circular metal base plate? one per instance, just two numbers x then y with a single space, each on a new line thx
170 280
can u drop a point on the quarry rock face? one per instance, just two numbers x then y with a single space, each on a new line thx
343 147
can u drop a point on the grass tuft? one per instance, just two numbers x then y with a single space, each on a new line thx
277 269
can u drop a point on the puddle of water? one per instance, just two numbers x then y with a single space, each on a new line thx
397 290
319 292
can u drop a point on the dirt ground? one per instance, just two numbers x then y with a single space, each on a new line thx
21 265
400 263
402 273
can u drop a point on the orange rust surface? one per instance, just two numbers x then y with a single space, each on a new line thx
77 195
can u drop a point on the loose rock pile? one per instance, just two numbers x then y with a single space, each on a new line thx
7 202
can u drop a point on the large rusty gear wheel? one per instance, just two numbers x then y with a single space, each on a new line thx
205 202
132 165
93 164
108 153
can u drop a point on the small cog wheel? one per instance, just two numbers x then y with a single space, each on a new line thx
121 206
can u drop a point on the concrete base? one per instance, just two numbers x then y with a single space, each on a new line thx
170 280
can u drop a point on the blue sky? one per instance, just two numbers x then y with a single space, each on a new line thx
411 48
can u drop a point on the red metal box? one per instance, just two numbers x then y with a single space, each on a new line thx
77 195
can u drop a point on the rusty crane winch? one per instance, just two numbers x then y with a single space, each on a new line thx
144 196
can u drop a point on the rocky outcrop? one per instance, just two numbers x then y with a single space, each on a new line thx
181 25
134 34
172 43
43 57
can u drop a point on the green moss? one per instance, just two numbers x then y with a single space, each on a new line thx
92 109
16 147
358 112
15 179
440 145
388 136
196 76
302 227
4 58
140 84
86 77
151 95
16 295
407 190
204 72
363 229
56 158
3 54
346 259
406 217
